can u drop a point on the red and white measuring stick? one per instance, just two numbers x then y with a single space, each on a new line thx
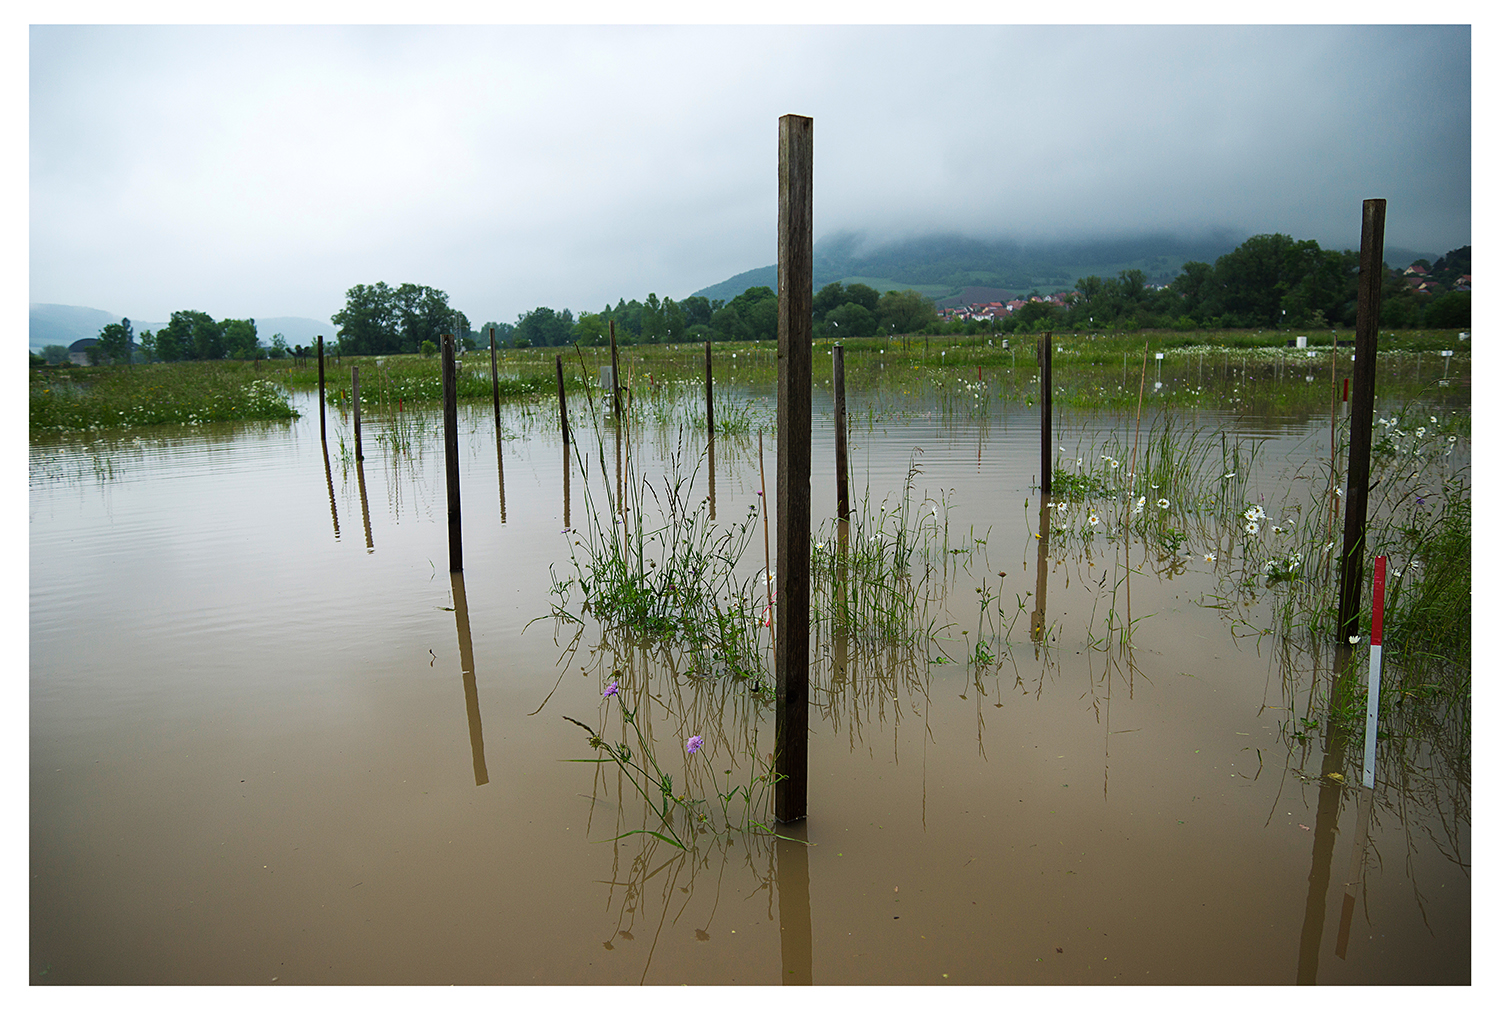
1372 704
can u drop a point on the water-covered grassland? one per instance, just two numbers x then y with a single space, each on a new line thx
1104 737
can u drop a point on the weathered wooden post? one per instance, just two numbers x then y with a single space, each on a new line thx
495 383
450 457
614 370
1361 415
1044 358
322 396
567 486
708 383
793 460
359 445
562 402
840 433
713 513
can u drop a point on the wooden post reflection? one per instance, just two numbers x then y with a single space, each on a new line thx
794 905
1330 791
500 469
364 505
567 487
1356 871
471 686
333 504
1039 615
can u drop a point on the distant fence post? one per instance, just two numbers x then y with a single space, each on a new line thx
840 432
793 460
359 445
562 402
614 370
708 382
450 457
322 397
1362 413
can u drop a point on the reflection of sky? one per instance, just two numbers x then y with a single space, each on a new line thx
262 171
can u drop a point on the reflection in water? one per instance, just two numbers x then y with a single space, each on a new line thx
471 687
500 469
794 905
364 505
1356 871
1330 792
567 469
713 505
332 501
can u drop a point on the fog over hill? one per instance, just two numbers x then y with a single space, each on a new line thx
63 324
944 266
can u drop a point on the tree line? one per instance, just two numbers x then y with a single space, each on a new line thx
1267 282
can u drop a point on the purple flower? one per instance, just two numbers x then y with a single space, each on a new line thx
613 689
694 744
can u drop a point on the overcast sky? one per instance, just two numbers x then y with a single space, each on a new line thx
249 171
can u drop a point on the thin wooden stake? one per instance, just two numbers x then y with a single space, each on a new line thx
1044 358
841 432
708 383
562 402
359 446
322 396
495 382
614 370
793 460
450 457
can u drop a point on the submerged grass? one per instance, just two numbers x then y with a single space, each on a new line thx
117 397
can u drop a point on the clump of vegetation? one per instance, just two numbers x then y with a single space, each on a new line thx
96 399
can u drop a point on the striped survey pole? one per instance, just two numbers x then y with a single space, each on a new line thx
1372 704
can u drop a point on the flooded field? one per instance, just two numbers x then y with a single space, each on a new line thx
273 741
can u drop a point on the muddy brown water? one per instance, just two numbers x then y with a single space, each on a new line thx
264 750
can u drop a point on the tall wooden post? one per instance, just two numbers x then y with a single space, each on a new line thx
793 460
359 445
708 382
450 457
322 396
562 402
840 432
495 383
1044 358
1361 415
614 370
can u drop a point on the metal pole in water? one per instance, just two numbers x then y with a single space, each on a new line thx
359 446
793 460
1362 414
841 432
450 457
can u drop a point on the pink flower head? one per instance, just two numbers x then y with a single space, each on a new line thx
694 744
613 689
